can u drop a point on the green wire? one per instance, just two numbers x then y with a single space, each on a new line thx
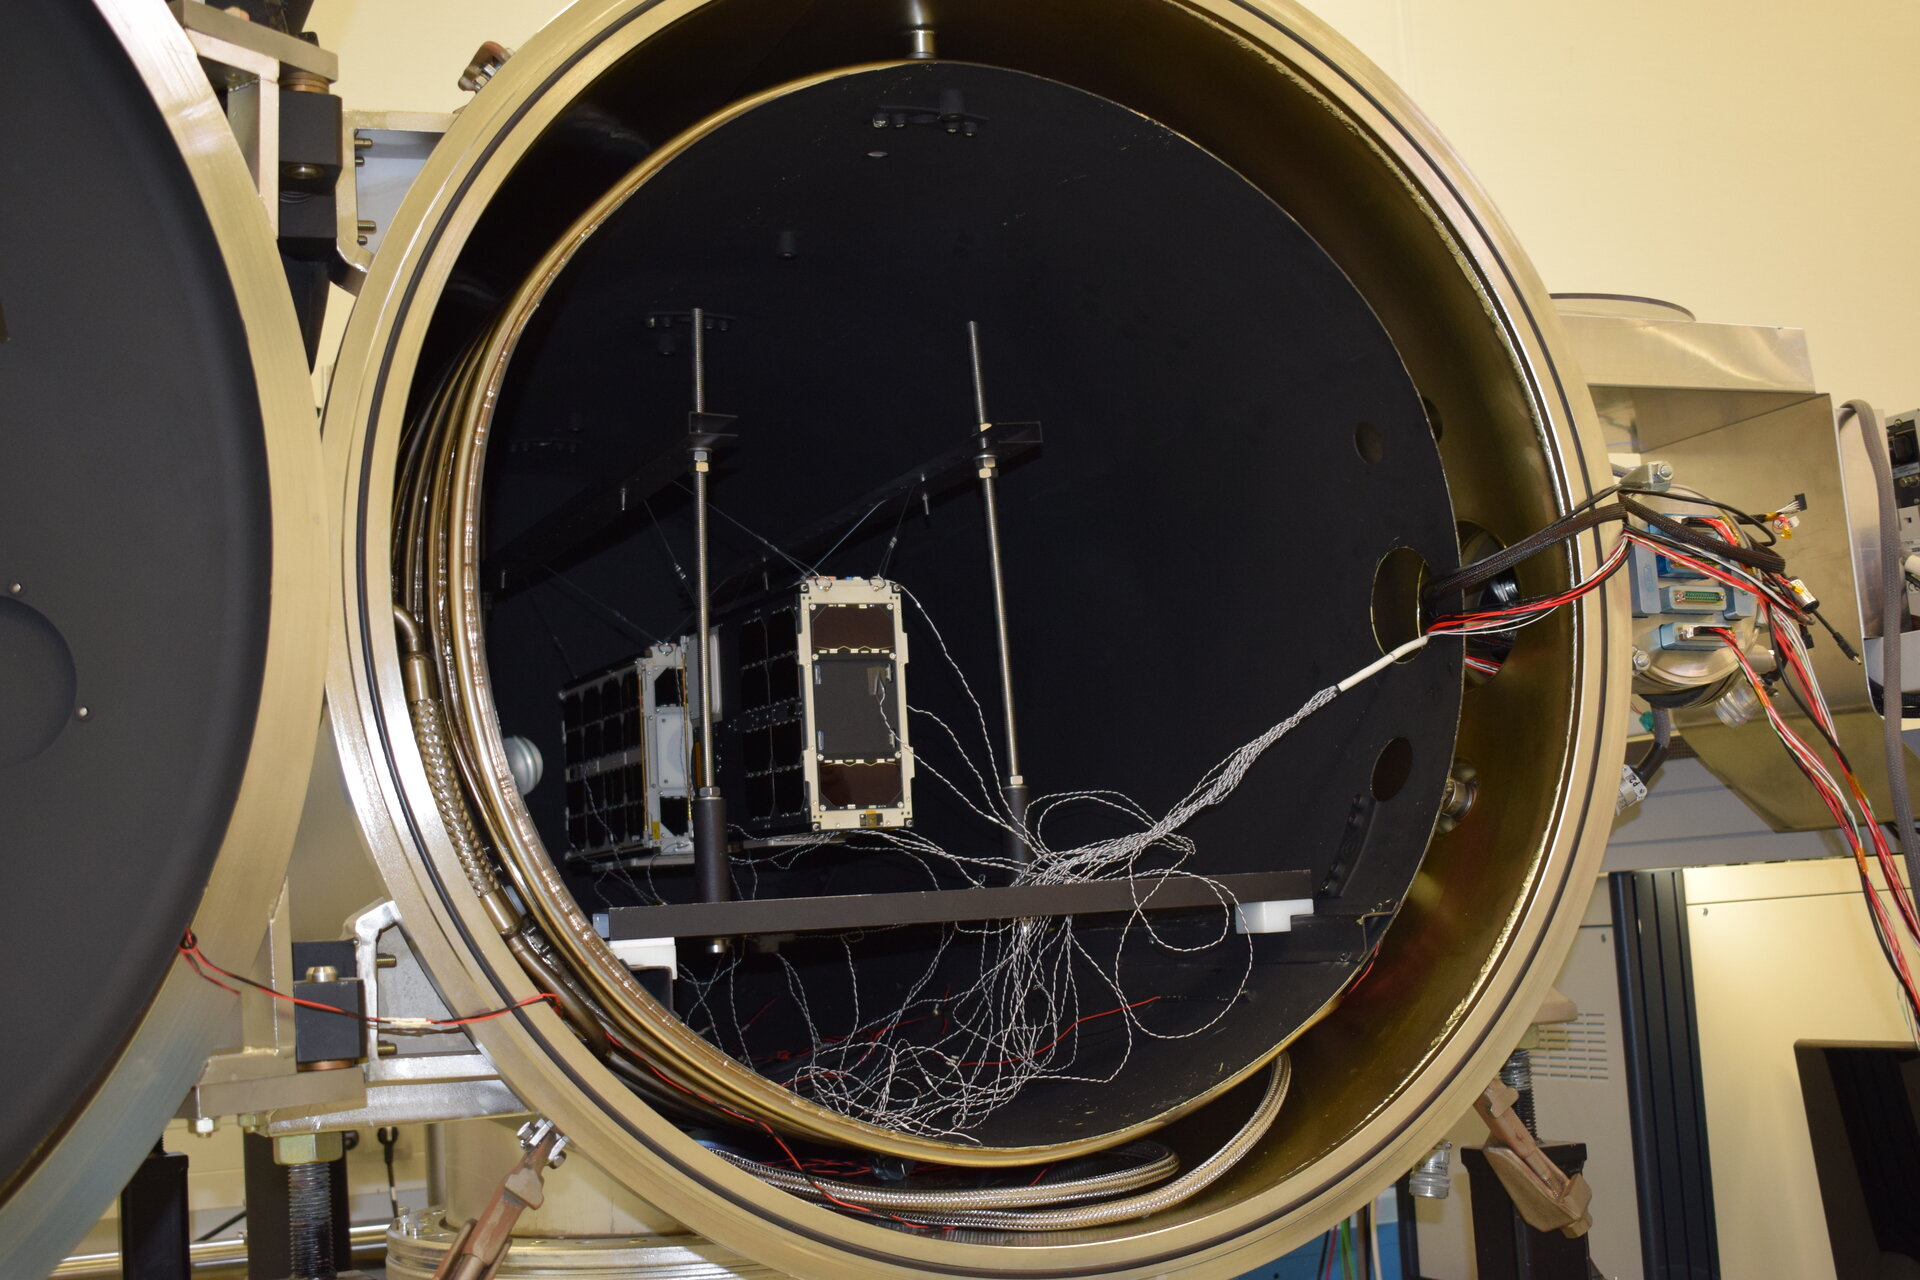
1346 1250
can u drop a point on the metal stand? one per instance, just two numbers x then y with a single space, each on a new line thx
1014 787
297 1207
154 1234
712 870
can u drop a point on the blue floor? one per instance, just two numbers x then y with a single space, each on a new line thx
1303 1263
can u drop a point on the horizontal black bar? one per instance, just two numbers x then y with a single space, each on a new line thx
942 475
945 906
598 508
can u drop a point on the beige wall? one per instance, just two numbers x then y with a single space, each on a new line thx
1781 953
1750 159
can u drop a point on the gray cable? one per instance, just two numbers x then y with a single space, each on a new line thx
1156 1164
1893 598
1185 1187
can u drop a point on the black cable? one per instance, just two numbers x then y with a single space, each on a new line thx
1568 526
1739 516
389 1137
1589 515
202 1239
1761 557
1838 639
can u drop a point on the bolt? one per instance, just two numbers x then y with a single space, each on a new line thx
1641 661
16 588
385 961
388 1048
1432 1178
323 973
1462 788
82 712
303 172
487 59
203 1126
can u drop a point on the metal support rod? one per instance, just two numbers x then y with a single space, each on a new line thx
699 360
712 873
1014 786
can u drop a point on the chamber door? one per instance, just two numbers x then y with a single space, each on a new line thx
162 588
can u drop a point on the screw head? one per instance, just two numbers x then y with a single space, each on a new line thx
1641 660
16 588
203 1126
83 712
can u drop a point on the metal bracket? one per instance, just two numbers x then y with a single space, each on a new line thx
248 60
383 151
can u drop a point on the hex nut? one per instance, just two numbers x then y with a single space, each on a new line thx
308 1148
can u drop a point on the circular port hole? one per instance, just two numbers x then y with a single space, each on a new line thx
1397 581
1392 769
1368 444
38 687
1487 652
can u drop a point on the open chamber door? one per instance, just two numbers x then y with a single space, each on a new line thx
162 575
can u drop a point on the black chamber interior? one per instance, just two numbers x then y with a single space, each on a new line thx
1192 554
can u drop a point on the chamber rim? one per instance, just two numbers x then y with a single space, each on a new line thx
559 1079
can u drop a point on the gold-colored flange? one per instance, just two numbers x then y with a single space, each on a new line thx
1302 116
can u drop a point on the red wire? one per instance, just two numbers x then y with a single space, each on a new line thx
1883 853
1107 1013
195 958
1836 805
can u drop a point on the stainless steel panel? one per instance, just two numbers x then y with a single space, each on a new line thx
1757 465
1661 381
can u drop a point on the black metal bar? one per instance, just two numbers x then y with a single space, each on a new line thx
935 906
155 1239
595 510
942 476
1665 1096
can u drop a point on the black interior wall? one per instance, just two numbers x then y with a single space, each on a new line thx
1193 554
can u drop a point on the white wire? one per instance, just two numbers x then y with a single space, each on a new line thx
1380 664
1019 1020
